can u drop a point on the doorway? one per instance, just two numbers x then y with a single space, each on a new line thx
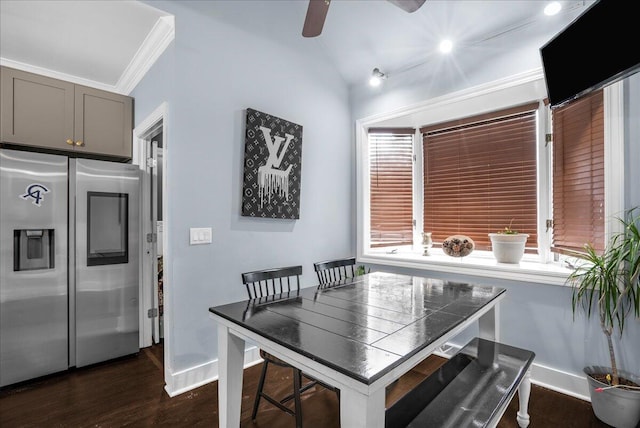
151 156
153 249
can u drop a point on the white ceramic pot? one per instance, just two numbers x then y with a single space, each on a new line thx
508 248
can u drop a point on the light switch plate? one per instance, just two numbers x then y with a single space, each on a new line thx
200 235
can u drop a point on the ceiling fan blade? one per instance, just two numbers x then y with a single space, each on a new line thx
316 14
408 5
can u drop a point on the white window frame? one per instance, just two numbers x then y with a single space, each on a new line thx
513 91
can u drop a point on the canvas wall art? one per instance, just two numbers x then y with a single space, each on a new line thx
272 167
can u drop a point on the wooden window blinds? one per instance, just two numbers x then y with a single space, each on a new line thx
391 186
480 175
578 174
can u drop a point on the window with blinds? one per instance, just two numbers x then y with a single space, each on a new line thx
480 176
578 174
391 186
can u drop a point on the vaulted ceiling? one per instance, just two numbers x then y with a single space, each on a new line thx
111 44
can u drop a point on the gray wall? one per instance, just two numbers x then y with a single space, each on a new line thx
216 68
209 75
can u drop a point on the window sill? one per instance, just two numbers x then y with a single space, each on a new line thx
483 264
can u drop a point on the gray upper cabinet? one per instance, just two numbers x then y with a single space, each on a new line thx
103 122
36 110
43 112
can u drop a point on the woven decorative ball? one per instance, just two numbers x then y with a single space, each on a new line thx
458 246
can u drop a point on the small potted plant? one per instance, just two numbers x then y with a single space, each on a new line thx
508 244
608 284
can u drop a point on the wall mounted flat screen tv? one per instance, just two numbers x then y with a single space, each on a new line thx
598 48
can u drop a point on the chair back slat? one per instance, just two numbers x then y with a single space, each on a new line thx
335 270
261 283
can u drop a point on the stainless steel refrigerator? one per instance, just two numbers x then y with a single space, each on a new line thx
69 243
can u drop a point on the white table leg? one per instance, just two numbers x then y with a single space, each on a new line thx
360 411
524 391
230 364
489 324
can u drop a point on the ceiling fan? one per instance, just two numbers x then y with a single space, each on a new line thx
317 12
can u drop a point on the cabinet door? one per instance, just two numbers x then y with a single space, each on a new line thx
36 110
103 122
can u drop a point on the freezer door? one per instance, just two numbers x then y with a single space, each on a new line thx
33 265
107 220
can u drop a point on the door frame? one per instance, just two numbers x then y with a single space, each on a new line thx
140 134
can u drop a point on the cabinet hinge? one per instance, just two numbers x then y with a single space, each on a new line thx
152 313
151 238
151 163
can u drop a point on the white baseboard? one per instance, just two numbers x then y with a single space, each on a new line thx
546 377
194 377
559 381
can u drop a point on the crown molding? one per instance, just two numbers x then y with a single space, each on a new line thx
160 36
162 33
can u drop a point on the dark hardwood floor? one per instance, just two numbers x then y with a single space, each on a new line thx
129 393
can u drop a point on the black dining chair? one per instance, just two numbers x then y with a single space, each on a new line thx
334 270
263 284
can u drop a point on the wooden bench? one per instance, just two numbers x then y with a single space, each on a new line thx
472 389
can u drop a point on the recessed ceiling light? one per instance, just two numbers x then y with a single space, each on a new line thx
446 46
552 8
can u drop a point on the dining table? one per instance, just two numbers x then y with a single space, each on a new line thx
359 335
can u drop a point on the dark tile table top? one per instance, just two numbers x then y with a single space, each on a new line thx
362 327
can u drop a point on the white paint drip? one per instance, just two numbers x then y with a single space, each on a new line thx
273 181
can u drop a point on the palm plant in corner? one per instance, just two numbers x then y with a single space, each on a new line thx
608 284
